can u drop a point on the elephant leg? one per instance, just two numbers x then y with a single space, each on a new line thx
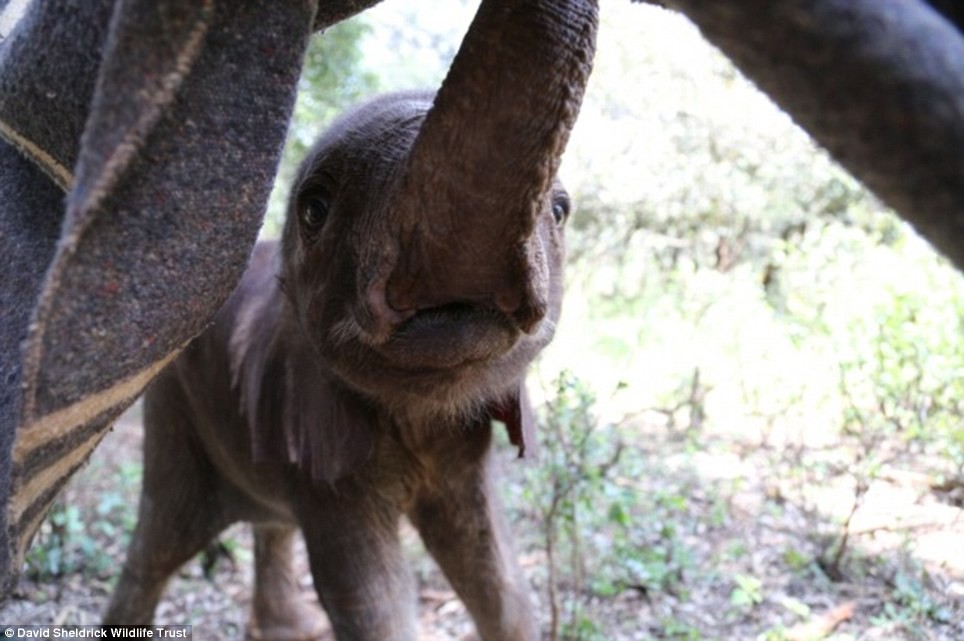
358 565
461 523
280 611
179 513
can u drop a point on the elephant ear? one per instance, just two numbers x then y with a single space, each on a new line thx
328 431
516 413
163 120
296 413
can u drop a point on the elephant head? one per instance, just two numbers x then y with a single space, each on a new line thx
432 254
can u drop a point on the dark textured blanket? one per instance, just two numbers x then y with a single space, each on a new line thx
140 140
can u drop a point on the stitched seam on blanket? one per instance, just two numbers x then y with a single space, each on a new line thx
33 515
57 172
26 532
55 425
44 479
133 140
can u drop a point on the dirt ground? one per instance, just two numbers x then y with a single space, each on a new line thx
747 575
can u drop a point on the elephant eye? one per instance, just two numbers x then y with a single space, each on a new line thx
315 213
560 209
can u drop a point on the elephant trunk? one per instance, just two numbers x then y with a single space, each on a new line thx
480 171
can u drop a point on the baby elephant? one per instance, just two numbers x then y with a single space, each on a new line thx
351 380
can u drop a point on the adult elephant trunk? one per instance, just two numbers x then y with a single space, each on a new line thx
482 166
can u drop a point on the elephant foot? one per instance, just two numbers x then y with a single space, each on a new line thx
296 620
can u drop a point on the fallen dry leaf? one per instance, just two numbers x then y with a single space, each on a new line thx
821 626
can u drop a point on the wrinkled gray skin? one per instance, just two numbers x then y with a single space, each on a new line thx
292 352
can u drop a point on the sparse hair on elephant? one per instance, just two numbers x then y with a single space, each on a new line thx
317 401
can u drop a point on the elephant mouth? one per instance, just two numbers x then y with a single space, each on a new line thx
450 336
